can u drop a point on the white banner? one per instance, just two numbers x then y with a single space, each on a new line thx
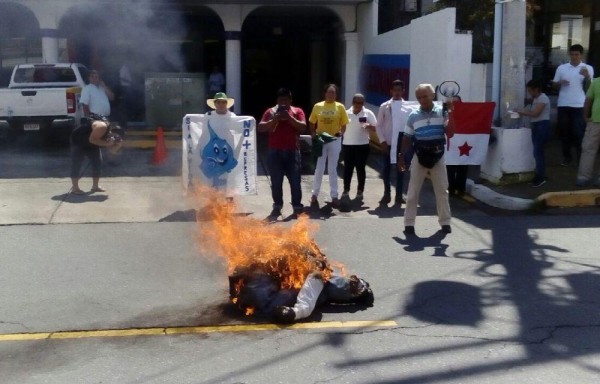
406 109
220 152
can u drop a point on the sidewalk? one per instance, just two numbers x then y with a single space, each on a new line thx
159 197
559 191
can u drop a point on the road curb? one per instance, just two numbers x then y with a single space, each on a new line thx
587 198
497 200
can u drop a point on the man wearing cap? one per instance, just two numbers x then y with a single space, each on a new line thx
284 123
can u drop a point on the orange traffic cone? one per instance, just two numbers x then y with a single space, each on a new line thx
160 151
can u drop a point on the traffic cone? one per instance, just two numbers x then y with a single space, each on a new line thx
160 151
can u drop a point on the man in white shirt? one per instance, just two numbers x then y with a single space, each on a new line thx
572 79
96 96
389 121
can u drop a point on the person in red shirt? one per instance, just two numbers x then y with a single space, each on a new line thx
284 123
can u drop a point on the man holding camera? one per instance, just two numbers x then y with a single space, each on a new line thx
284 123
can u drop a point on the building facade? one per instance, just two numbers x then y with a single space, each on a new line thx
259 46
262 45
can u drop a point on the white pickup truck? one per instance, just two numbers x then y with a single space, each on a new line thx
42 98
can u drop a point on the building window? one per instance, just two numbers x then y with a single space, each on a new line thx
394 14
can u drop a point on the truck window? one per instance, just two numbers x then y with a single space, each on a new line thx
23 75
44 75
85 74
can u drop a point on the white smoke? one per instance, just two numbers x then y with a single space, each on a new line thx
145 32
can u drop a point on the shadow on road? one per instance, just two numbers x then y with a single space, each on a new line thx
557 309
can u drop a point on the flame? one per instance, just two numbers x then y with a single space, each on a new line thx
287 253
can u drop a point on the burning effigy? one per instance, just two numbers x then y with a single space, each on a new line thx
275 270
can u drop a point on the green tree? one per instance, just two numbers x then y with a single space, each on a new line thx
478 16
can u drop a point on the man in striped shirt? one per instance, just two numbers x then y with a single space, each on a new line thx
426 129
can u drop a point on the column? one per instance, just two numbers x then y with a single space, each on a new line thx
351 71
233 68
49 45
513 58
317 78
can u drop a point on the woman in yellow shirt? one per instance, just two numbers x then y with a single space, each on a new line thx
329 117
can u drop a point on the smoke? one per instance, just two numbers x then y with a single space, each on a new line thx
146 34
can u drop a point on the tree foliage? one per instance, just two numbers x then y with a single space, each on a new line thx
478 16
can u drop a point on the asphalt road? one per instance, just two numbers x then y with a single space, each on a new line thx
504 298
500 299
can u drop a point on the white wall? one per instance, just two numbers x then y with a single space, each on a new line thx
396 41
481 82
438 53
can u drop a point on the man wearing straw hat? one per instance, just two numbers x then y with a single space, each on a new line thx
218 126
221 104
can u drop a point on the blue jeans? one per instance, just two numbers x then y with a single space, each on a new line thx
285 163
540 133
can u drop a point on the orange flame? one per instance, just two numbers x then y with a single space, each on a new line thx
287 253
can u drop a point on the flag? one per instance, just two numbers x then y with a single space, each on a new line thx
472 127
220 152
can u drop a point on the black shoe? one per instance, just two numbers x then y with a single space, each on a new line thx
538 183
409 230
298 211
386 199
276 212
399 201
314 203
446 229
284 314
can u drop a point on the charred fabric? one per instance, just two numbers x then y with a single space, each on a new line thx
272 289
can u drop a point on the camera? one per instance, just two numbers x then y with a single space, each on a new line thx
283 108
362 120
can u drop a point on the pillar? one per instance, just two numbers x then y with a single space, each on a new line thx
317 79
350 86
49 45
233 68
513 58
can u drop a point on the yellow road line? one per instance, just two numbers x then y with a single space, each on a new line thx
151 133
191 330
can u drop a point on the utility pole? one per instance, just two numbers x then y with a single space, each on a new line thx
513 62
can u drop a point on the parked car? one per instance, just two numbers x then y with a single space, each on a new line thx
42 99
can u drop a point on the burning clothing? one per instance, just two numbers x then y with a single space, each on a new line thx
258 291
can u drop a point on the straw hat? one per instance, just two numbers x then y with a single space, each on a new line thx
220 96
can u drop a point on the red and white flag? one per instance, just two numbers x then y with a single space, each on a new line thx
472 127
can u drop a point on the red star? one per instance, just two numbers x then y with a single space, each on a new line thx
464 149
